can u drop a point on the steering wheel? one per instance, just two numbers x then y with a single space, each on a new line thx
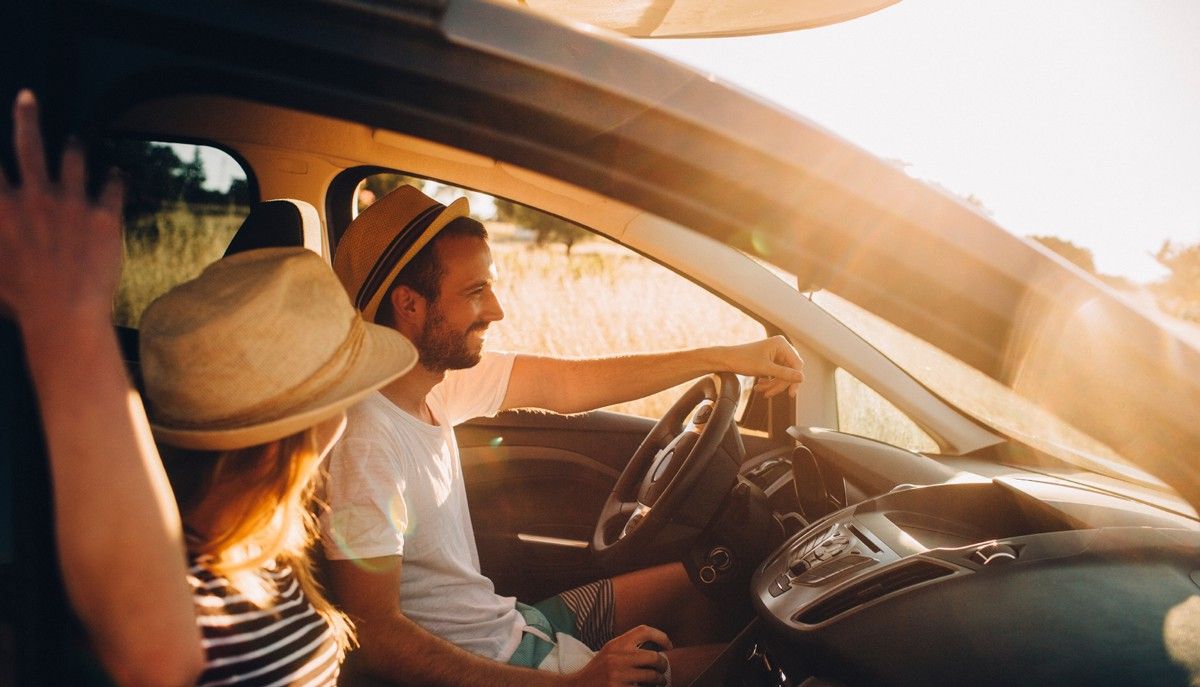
677 477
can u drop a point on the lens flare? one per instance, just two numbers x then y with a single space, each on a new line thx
404 520
354 528
761 243
1181 635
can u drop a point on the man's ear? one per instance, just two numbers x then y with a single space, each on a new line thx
408 306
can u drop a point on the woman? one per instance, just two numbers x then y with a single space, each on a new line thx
248 370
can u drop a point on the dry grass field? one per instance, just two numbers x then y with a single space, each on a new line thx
167 248
605 300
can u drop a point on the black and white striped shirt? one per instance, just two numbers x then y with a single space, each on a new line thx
284 643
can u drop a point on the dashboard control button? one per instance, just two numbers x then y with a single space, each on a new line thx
822 573
779 585
720 558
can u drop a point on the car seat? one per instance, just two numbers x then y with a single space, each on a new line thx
281 222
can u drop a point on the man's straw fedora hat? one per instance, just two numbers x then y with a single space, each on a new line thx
263 344
384 238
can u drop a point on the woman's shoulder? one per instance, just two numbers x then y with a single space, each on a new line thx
200 573
275 637
205 579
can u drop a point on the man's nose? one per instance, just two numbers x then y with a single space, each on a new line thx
492 311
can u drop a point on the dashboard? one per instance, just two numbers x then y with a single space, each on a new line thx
959 577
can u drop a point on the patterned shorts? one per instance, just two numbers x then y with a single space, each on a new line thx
584 614
564 632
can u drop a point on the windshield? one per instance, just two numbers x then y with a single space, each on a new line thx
1056 137
981 396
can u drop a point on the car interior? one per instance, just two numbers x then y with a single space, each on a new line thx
965 551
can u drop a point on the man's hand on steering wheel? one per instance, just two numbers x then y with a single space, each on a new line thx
685 466
773 361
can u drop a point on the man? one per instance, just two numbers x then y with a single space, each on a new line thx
402 553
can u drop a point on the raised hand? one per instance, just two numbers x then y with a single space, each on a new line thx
119 536
61 252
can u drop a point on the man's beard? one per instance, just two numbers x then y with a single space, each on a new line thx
442 348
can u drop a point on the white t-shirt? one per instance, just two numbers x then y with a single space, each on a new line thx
395 488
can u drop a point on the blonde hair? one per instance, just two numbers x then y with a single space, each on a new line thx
266 492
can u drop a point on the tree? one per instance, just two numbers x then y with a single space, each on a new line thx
191 179
377 186
1184 264
151 172
1179 293
1080 256
548 228
239 191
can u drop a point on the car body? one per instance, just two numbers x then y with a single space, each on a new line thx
1012 553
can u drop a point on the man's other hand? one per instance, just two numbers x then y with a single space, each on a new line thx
622 662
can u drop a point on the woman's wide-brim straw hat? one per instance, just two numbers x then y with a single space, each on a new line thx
384 238
262 345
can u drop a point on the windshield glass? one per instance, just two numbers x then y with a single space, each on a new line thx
1058 138
979 395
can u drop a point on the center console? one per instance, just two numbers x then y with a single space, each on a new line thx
883 591
897 541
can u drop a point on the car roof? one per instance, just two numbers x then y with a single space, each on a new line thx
604 116
705 18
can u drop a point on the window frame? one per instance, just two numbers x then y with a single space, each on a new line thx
127 335
772 419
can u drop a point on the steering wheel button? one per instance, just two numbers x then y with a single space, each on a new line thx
664 461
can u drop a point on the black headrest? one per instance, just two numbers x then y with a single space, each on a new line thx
272 223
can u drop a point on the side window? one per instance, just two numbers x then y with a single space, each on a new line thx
568 292
183 205
864 412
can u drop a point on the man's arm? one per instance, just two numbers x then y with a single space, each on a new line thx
397 649
573 386
119 536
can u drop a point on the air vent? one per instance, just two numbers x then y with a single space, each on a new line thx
868 590
864 539
995 553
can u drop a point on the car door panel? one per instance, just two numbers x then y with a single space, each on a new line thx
536 483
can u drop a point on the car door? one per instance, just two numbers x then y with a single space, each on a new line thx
536 483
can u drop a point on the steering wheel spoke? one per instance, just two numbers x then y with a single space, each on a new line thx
636 518
659 477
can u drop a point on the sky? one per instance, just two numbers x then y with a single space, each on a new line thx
219 168
1074 118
